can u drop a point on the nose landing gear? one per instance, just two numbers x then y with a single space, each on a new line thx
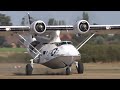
68 70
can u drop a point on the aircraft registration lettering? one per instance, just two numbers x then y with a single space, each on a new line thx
54 51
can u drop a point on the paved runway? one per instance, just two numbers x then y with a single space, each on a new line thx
92 71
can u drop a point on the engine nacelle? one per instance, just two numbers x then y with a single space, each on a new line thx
82 27
38 27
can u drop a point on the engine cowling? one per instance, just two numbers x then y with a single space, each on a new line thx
82 27
38 27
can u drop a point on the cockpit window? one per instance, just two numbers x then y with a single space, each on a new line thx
69 42
63 43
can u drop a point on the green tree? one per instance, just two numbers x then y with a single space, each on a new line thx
95 24
55 22
2 40
26 21
85 16
23 21
5 20
99 40
51 21
62 22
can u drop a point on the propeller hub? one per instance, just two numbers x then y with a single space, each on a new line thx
83 26
38 27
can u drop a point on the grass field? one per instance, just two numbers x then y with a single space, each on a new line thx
14 55
13 50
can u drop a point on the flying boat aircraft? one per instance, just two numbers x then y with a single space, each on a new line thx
53 52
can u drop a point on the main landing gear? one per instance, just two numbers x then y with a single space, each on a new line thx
79 67
29 68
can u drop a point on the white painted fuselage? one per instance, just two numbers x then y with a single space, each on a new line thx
58 55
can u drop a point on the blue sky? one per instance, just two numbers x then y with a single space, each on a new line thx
70 17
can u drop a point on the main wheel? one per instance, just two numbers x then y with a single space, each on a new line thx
68 71
29 69
80 68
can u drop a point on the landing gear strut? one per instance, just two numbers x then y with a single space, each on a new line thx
29 68
79 67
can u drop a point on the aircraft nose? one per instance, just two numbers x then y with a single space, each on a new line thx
69 50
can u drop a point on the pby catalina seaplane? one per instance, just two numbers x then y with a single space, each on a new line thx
53 52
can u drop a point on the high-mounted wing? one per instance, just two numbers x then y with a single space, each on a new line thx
82 26
61 27
14 28
105 29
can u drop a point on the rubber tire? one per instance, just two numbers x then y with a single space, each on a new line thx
68 72
29 69
80 68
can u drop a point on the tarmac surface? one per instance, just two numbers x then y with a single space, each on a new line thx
91 71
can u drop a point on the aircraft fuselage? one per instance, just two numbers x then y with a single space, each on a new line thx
58 54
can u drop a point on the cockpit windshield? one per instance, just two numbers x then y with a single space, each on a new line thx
63 43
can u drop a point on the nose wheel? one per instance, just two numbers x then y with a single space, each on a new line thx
68 70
